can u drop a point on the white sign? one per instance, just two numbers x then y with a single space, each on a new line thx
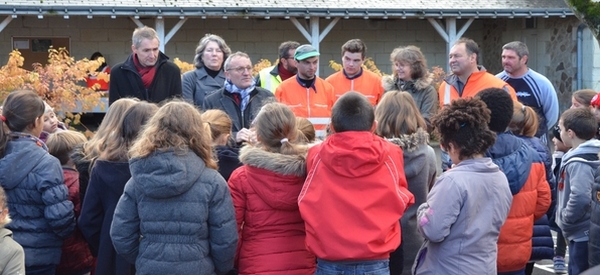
21 44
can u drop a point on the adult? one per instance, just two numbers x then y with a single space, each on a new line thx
532 88
410 74
208 75
92 80
468 78
239 98
353 77
306 94
147 73
269 78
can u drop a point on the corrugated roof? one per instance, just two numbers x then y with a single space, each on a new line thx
280 8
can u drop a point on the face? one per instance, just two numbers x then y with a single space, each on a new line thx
212 56
564 134
576 104
596 111
308 67
240 72
352 62
403 70
512 63
461 62
147 52
50 122
290 63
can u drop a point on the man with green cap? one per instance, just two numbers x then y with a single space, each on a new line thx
306 94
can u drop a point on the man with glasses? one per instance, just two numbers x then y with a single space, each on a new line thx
269 78
353 77
240 98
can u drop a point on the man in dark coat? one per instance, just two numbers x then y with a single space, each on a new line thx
147 73
239 97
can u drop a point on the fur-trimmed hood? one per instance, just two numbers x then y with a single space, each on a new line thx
410 143
294 165
391 82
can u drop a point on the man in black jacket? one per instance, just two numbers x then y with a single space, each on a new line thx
239 97
147 73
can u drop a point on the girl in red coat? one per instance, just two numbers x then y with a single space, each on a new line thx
265 195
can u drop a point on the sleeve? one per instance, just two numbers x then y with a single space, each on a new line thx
59 210
207 104
16 261
125 227
438 214
188 86
92 214
222 227
581 180
114 91
543 193
175 76
239 204
279 94
430 105
550 101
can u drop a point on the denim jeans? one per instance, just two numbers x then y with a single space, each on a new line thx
578 257
40 270
375 267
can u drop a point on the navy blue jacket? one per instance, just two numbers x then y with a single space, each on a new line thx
176 216
594 242
37 198
106 185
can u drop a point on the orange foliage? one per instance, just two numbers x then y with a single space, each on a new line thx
261 64
183 66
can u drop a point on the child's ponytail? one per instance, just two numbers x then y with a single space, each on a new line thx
20 110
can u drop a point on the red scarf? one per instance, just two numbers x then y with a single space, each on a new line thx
283 73
147 73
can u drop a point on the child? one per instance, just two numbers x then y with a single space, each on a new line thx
51 123
526 176
12 257
582 98
108 178
265 194
524 125
307 129
220 130
33 180
400 122
76 257
468 204
176 215
561 245
355 192
579 164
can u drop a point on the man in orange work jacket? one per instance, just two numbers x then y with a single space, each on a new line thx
467 78
306 94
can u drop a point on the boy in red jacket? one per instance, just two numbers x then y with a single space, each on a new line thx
355 192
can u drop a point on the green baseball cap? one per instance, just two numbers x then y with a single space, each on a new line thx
305 51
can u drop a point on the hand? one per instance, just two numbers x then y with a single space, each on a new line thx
245 135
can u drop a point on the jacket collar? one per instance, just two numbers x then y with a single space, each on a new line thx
276 162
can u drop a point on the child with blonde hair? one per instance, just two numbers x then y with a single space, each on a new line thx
401 123
306 128
76 257
51 123
174 179
220 129
265 192
33 180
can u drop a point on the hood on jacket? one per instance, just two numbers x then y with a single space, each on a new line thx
391 82
22 155
414 159
410 143
282 181
112 173
165 174
354 154
590 147
511 154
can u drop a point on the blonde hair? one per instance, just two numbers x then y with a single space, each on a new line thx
397 115
112 120
306 128
177 126
524 121
123 136
276 129
218 121
3 207
60 144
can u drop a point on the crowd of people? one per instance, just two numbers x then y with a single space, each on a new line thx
223 172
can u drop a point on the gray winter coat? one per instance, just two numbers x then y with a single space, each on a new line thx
421 90
12 257
175 217
197 85
462 218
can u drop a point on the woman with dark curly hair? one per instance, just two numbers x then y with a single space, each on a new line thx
468 204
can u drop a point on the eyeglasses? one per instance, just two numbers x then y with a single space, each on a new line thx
241 70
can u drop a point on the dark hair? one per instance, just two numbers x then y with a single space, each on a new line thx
470 45
20 110
413 56
285 47
500 103
95 56
355 46
352 112
464 124
584 96
581 121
